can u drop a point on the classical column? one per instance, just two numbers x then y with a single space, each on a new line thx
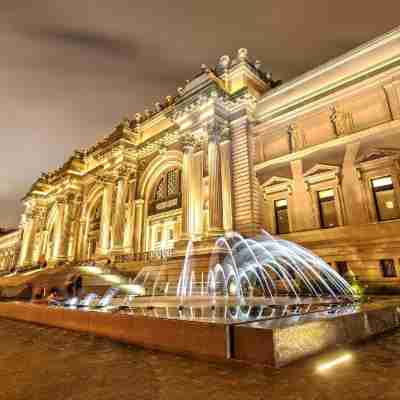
81 243
355 205
139 205
28 240
118 222
130 222
187 169
226 177
59 251
303 215
105 223
197 193
43 243
214 183
74 229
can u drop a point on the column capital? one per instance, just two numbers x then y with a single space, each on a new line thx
123 172
218 131
31 214
188 142
225 134
139 202
61 199
106 179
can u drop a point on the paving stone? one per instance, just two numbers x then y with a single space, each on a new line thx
40 363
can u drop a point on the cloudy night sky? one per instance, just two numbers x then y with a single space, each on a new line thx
70 70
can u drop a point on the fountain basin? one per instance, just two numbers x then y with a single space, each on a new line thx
273 341
296 337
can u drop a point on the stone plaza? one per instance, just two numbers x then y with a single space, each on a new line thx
65 365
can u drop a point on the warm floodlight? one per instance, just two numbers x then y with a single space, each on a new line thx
335 362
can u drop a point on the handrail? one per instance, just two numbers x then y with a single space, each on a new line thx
148 256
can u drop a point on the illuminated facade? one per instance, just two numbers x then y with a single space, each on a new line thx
316 160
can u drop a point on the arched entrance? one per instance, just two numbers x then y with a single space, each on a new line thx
93 235
160 190
164 211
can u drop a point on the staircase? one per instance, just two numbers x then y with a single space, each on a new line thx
98 279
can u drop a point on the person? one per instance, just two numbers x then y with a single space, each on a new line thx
70 289
54 298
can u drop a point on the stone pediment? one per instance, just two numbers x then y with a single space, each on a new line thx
277 184
321 172
376 154
277 180
322 169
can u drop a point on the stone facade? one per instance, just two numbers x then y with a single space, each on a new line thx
316 160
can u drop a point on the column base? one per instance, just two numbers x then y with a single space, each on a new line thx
60 259
117 251
102 253
215 232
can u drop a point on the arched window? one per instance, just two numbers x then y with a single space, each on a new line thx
167 192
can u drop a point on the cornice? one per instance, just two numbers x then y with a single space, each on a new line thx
365 61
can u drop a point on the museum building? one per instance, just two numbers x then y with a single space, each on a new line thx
315 160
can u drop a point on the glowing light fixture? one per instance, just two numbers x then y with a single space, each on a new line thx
134 289
333 363
91 270
111 278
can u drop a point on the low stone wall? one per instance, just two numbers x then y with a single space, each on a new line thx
278 343
200 339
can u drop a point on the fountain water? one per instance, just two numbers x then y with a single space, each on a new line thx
241 268
88 300
107 298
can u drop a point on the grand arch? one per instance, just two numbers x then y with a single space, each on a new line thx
92 230
47 243
162 226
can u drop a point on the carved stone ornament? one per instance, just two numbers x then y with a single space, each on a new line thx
79 154
213 132
225 133
243 54
104 179
123 172
187 140
125 123
342 121
138 118
297 139
142 165
224 61
61 200
162 149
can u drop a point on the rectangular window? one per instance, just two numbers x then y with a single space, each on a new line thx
327 208
170 234
342 267
159 235
388 269
385 199
281 216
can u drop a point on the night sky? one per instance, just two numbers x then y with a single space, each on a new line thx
70 70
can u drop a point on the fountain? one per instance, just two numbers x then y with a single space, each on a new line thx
272 270
245 292
88 300
106 300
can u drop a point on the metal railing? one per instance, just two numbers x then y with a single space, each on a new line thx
160 255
